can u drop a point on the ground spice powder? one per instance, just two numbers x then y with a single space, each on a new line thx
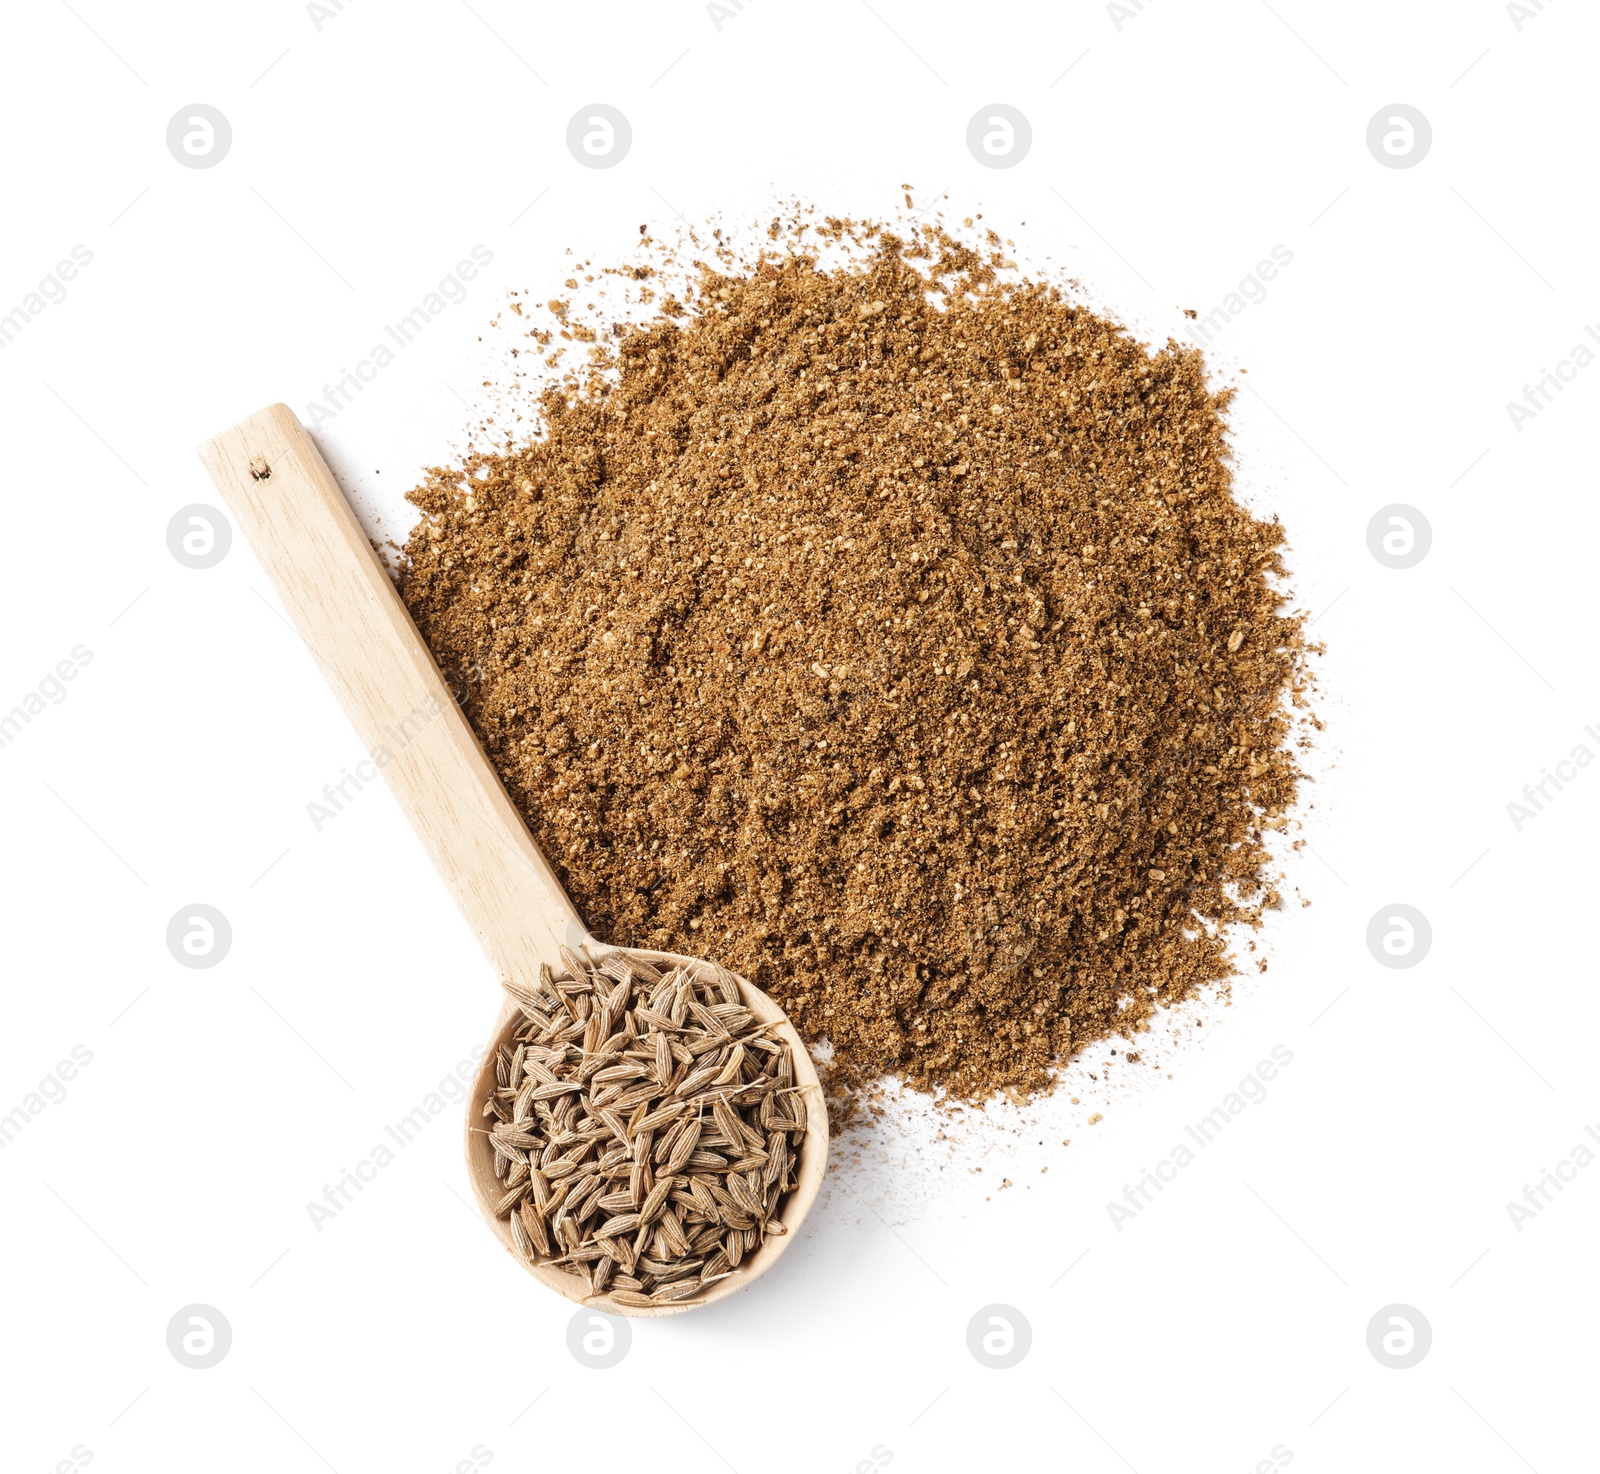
890 634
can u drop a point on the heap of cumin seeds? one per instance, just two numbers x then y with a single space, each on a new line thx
647 1128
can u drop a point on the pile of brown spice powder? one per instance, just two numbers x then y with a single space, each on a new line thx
890 634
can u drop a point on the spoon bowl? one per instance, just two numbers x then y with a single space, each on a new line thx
341 600
487 1187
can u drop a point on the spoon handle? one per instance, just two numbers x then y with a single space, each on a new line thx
338 595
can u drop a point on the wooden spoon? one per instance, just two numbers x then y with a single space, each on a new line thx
337 592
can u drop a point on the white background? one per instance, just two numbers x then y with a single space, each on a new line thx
1170 154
